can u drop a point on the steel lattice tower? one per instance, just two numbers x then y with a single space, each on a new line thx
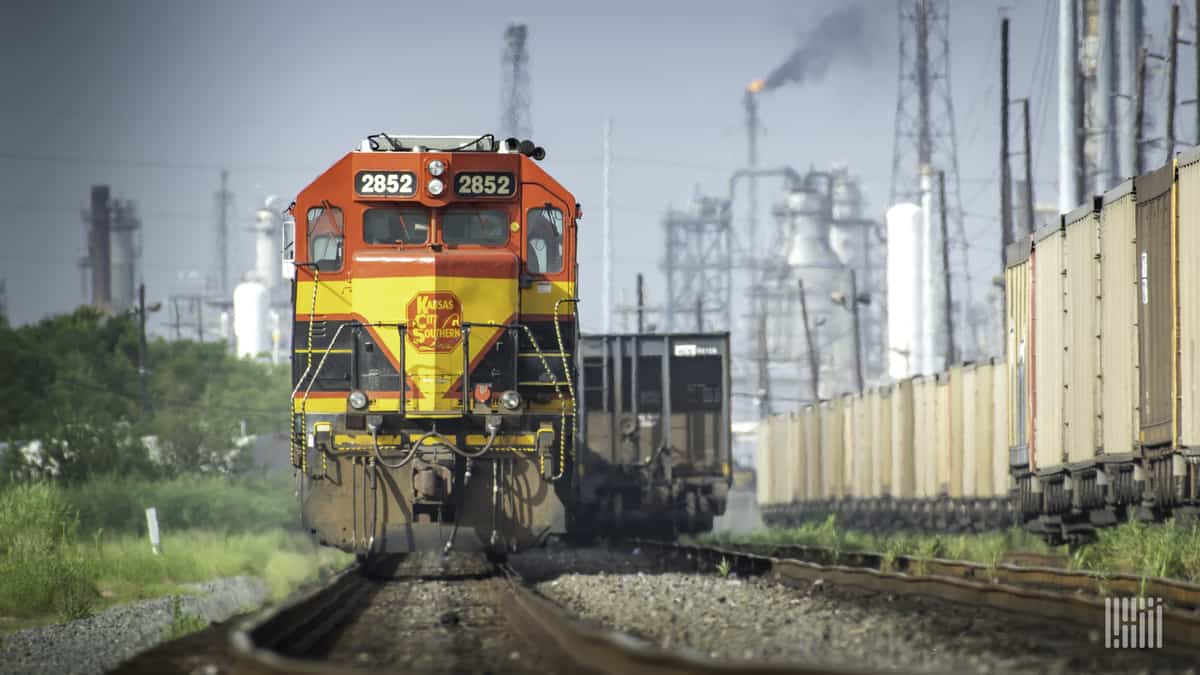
515 97
925 134
698 266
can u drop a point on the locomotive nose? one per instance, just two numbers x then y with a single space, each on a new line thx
455 309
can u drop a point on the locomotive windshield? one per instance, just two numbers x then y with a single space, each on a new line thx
325 236
545 240
396 225
485 227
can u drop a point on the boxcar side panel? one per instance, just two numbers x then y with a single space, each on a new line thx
1001 478
814 488
1081 335
1118 319
1156 302
1018 349
831 447
881 443
1048 315
1188 249
903 460
971 424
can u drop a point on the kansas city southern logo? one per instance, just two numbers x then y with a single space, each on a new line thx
435 321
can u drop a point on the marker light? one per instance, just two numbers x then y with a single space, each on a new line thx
358 400
435 187
437 167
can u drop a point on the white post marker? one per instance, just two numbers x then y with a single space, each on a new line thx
152 526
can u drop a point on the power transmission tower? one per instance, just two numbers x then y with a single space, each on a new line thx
924 131
698 264
224 197
515 119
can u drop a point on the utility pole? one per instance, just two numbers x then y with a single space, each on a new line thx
223 199
145 398
1028 173
951 357
606 231
1172 69
1070 116
764 376
699 315
1139 112
178 324
641 306
1005 177
858 371
813 371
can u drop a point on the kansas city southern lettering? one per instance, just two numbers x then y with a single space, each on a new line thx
435 321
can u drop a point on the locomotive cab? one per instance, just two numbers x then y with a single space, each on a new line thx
434 307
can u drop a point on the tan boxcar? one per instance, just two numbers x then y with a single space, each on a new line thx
977 419
1001 480
792 457
925 436
849 435
881 442
1047 330
763 463
814 488
864 428
903 458
954 429
1081 258
831 448
1118 321
1156 301
1188 249
1019 348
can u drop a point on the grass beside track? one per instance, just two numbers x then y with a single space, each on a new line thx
988 548
66 552
1153 550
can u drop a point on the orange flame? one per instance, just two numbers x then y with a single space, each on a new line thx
756 86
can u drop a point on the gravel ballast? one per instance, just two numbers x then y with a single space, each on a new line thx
100 642
757 619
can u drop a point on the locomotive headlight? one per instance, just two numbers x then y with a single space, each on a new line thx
510 399
437 167
436 186
358 400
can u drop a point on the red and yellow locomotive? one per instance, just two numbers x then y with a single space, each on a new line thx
435 328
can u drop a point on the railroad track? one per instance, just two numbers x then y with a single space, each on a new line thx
294 638
1047 592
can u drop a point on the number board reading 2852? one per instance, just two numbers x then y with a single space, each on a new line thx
385 183
484 184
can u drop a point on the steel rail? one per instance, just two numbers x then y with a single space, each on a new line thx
1176 593
264 643
1042 591
270 642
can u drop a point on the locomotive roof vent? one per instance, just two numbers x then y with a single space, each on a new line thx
400 143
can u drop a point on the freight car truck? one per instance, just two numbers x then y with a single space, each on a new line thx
655 451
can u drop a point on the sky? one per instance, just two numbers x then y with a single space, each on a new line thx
155 98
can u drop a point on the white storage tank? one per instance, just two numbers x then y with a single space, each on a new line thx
251 306
905 260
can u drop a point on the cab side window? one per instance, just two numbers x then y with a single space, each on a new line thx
544 251
326 234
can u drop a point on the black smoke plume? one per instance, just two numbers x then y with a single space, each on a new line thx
840 35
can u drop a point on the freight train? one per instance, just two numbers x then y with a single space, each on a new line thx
437 387
1093 416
